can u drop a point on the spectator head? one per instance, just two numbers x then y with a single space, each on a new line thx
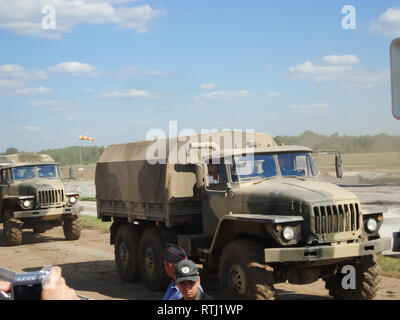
172 255
187 278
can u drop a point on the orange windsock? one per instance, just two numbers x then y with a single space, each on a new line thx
83 138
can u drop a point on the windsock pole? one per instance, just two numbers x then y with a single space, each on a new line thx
83 138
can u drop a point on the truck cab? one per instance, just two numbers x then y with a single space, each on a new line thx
258 215
33 197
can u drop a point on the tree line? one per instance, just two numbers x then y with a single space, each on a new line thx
335 142
345 144
69 155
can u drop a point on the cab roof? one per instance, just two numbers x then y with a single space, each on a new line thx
259 150
24 164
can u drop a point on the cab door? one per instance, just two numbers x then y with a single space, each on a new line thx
214 200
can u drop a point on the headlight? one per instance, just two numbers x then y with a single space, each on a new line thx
27 203
72 199
288 233
372 225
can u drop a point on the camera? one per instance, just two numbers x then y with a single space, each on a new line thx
25 285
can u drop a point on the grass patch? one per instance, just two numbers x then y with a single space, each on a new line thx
390 266
87 199
90 222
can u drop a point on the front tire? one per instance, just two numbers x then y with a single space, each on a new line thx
243 273
126 251
72 227
151 261
13 232
367 281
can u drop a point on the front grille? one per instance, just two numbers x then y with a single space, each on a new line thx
51 197
337 218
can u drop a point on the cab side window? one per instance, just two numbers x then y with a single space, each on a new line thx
4 176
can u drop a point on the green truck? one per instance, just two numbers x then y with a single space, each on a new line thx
32 196
254 211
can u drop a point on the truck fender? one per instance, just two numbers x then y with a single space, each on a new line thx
234 225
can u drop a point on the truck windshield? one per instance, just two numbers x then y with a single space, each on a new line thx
257 166
260 166
30 172
297 164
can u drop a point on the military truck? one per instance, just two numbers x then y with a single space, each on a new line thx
254 211
32 196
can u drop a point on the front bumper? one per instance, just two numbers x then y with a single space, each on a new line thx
47 214
320 253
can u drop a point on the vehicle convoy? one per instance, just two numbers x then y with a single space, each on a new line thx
32 196
254 211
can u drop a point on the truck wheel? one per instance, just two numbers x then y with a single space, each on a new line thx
151 261
72 227
367 281
243 273
126 252
13 232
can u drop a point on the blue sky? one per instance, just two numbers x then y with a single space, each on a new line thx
115 69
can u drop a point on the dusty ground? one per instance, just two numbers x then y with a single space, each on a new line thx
88 266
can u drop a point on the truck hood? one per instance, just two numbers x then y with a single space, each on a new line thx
30 187
282 195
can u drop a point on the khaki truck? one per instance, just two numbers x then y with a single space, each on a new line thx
32 196
254 211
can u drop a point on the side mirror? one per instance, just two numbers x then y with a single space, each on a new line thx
395 76
339 166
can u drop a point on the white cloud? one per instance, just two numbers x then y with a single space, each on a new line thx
9 83
88 90
388 23
128 71
25 16
208 85
154 72
347 75
341 60
32 91
15 71
130 93
222 95
310 108
28 128
273 94
75 68
51 105
308 70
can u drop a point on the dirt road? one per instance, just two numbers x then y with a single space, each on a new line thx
88 266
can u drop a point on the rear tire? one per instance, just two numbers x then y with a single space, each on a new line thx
243 273
72 227
126 252
13 232
367 281
151 261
